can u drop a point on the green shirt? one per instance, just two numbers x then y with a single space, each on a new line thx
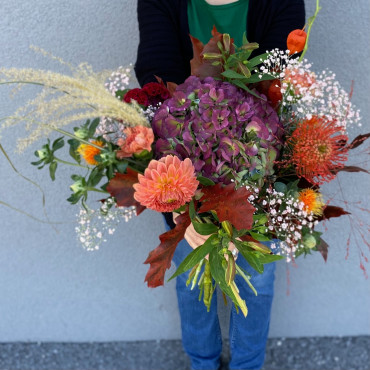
228 18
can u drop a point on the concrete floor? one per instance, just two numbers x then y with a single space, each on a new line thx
347 353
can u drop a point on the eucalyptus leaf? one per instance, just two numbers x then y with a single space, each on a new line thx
280 187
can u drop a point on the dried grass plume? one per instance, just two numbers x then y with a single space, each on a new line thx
65 99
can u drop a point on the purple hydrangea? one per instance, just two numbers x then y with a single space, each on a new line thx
224 130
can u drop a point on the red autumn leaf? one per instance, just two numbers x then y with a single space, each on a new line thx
333 211
230 204
201 67
170 86
349 169
160 258
323 248
121 187
358 140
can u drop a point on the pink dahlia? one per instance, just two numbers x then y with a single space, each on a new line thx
167 184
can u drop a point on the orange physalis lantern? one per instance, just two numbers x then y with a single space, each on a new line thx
296 41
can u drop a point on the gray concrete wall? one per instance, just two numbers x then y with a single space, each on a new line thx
53 290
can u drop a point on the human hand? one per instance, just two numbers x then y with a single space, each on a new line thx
195 239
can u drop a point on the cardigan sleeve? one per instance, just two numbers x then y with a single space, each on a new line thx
161 50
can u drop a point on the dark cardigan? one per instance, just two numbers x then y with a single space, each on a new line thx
165 49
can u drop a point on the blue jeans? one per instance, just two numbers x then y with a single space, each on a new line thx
201 334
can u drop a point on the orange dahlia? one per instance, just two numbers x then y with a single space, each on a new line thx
312 200
167 184
88 152
318 149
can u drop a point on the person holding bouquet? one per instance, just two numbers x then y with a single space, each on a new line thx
165 51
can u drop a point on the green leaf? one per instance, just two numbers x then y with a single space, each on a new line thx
74 198
250 256
204 181
38 162
259 237
245 40
204 229
73 146
196 255
230 270
267 258
244 87
92 128
232 74
260 219
95 176
76 177
218 274
121 93
257 60
57 144
52 169
180 209
192 212
255 78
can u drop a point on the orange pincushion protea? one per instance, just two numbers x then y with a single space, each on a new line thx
318 149
88 152
312 200
167 184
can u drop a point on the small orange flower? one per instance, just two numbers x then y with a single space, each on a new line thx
167 184
312 200
88 152
296 41
138 138
318 149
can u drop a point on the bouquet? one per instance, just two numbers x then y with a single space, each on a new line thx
239 151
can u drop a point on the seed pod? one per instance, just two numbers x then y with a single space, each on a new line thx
296 41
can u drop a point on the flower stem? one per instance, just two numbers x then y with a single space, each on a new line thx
310 23
63 132
97 190
70 163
